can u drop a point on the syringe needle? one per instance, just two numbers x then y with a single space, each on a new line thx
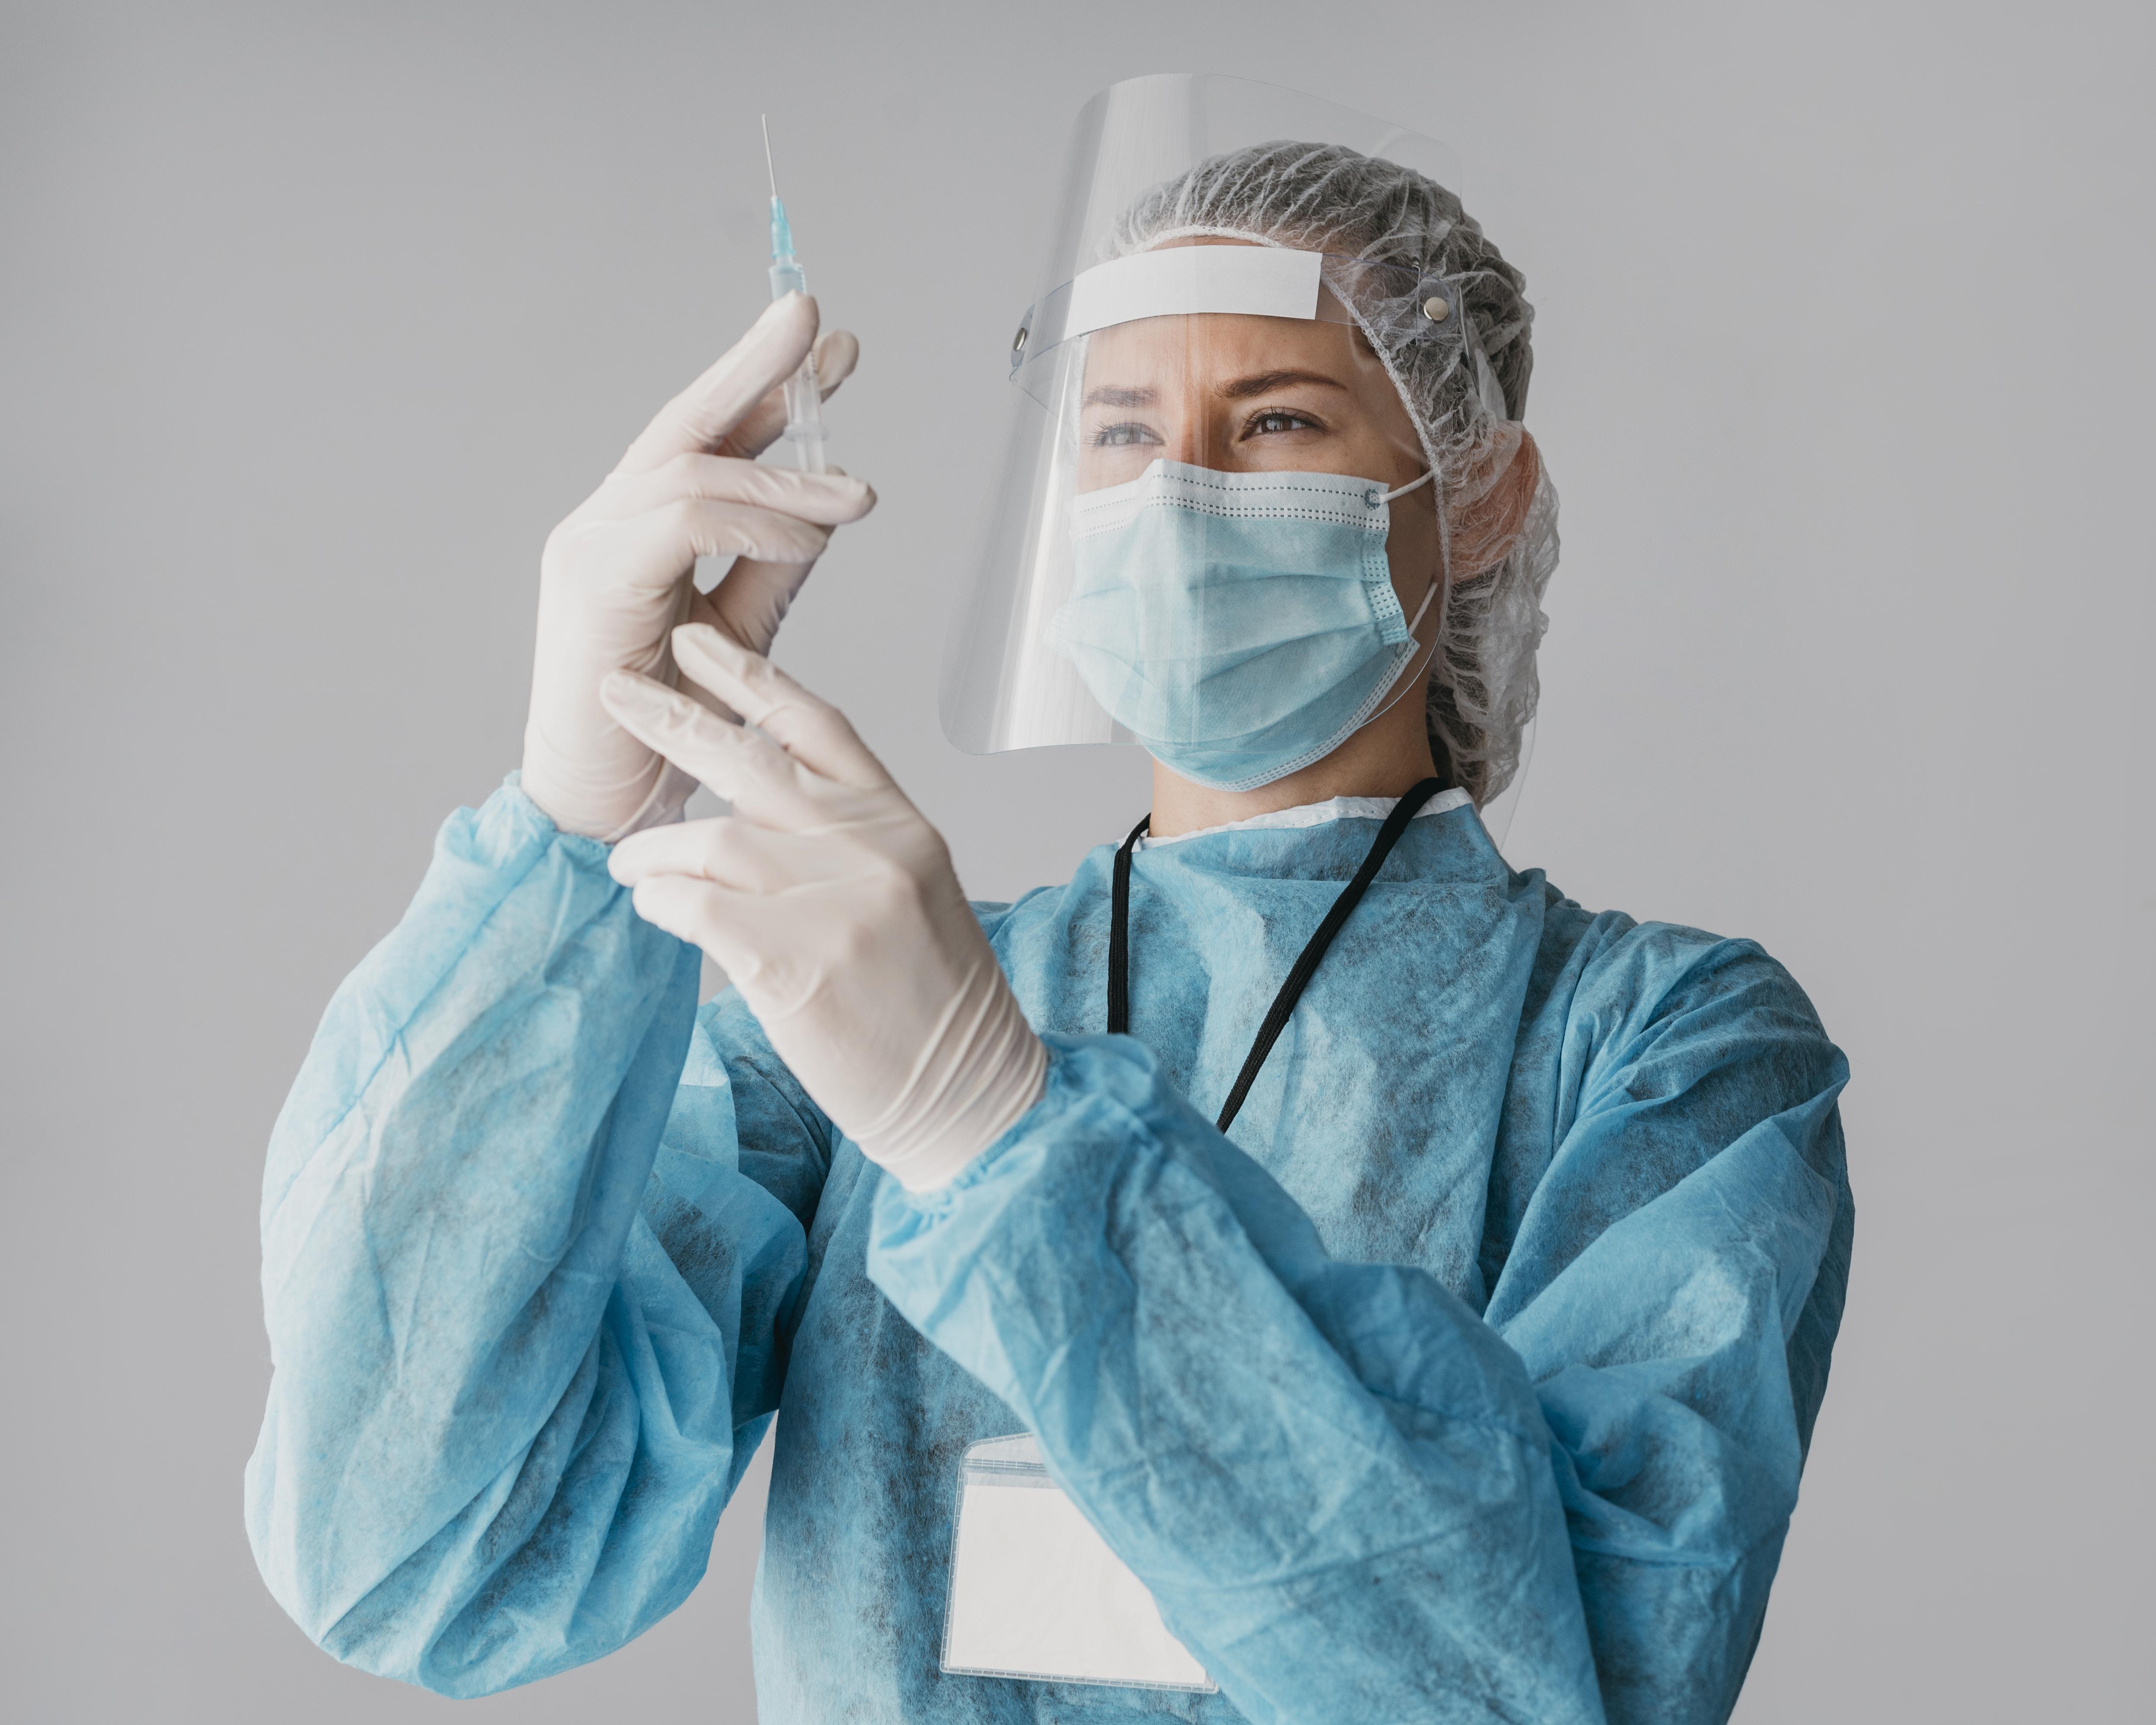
764 121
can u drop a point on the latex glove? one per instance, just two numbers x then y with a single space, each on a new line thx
831 905
617 574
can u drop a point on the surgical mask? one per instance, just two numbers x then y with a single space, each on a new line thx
1241 625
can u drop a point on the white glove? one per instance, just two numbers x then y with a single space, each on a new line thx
617 575
830 903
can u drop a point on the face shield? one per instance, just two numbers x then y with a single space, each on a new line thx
1217 534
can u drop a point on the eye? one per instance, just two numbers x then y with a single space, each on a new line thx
1276 420
1128 431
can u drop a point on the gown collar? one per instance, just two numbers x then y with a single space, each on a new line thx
1311 815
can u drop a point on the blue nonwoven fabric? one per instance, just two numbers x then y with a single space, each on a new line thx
1471 1381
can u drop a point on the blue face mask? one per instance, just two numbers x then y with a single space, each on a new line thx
1241 625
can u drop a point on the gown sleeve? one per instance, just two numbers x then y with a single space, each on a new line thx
1351 1495
532 1237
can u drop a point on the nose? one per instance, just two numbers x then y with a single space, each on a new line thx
1189 432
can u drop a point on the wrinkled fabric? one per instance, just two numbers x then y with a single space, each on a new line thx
1471 1381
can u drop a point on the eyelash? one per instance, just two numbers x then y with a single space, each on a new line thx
1127 431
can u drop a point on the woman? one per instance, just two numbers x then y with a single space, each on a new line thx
1472 1379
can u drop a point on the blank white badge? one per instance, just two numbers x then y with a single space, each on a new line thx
1036 1592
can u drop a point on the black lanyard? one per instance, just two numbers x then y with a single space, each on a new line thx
1305 967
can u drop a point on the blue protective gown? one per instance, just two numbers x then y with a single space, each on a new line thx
1471 1381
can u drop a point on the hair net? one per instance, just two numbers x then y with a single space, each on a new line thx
1460 395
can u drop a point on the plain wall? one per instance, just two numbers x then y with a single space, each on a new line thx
315 320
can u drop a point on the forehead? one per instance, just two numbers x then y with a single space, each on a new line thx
1219 343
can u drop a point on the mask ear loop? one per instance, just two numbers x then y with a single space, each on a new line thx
1407 676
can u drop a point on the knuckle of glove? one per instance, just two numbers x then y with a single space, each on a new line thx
853 943
907 838
564 552
682 518
726 854
683 475
888 893
776 984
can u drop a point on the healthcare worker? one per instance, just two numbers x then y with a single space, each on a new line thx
1301 1269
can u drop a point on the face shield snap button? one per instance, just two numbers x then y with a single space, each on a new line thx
1435 309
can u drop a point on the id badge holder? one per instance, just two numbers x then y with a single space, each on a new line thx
1036 1594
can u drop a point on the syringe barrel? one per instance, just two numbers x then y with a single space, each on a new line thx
804 399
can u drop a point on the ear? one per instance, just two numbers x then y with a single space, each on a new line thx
1489 510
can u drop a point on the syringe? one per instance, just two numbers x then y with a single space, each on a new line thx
804 401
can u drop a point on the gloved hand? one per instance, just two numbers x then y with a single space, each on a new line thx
831 904
616 575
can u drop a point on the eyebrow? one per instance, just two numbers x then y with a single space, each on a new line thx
1119 395
1264 382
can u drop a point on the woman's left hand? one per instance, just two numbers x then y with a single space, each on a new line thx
832 906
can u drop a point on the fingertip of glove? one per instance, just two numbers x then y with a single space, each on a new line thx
832 481
838 352
789 308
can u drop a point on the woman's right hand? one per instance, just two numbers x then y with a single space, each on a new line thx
616 576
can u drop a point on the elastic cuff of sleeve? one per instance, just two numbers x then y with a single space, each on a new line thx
511 811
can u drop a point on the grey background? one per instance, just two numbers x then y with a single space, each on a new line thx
314 323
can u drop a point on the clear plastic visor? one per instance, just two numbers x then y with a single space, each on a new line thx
1113 602
1223 430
